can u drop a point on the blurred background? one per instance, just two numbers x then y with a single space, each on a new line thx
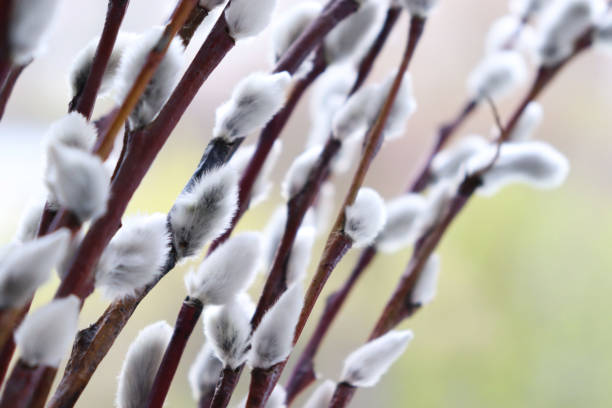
522 312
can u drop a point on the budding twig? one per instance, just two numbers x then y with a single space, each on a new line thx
185 323
83 102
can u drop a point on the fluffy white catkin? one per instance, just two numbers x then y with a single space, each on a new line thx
247 18
509 32
298 172
73 130
448 163
497 75
255 100
562 23
82 63
272 340
420 8
30 21
365 366
403 107
291 24
365 218
228 329
322 395
47 333
134 257
534 163
354 116
403 224
205 211
425 288
24 267
77 180
227 271
141 364
163 81
348 38
273 233
204 372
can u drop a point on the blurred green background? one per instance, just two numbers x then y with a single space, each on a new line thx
522 313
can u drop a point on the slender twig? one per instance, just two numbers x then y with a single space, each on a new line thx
185 323
338 242
20 389
198 14
7 89
303 373
225 387
83 102
343 395
5 57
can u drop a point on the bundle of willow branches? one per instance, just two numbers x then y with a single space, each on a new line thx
91 174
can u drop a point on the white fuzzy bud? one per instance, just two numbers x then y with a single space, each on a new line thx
365 218
420 8
425 287
29 222
328 96
364 366
438 199
449 162
537 164
141 364
134 257
297 175
47 333
204 372
73 130
262 185
30 21
527 123
255 100
82 63
273 233
562 23
291 24
228 330
272 340
204 211
246 18
78 180
299 257
227 271
24 267
322 396
210 4
161 84
353 33
403 222
497 75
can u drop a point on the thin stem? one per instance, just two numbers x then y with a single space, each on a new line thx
303 373
185 323
260 388
9 85
366 64
197 15
333 13
153 60
20 389
343 395
225 387
83 102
